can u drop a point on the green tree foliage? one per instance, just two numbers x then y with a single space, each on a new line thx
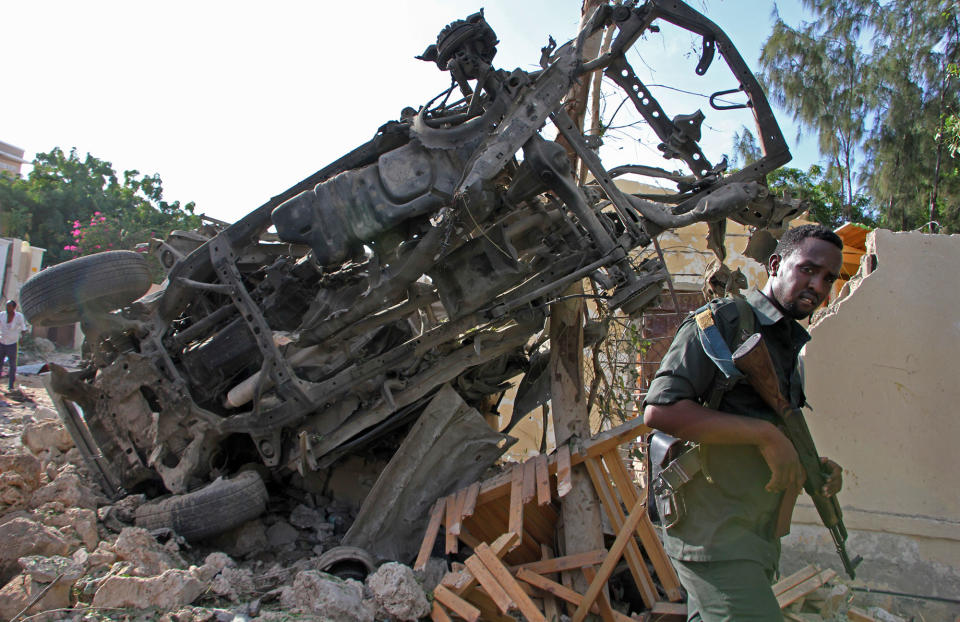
823 195
64 194
871 78
951 125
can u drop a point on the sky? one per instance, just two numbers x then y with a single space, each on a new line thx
234 102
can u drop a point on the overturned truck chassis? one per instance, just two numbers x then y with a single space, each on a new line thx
425 257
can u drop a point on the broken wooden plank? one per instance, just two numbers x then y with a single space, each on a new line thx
460 582
638 568
663 608
509 584
515 522
550 608
562 592
564 483
529 480
429 538
802 589
794 579
451 538
489 583
456 604
855 614
567 562
526 549
458 510
540 527
637 512
543 480
470 503
484 525
468 538
613 438
553 588
488 610
652 545
602 602
499 485
437 613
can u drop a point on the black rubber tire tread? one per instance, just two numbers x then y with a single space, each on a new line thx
59 294
215 508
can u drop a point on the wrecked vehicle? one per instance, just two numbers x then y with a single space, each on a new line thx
326 321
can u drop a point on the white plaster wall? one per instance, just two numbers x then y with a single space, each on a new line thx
883 377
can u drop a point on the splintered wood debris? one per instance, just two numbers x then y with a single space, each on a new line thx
509 524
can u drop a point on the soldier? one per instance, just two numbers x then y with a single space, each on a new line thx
724 547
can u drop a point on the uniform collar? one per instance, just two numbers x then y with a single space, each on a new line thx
768 314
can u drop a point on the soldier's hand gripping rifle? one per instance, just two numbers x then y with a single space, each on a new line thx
753 359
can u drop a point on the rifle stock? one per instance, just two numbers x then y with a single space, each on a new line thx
753 359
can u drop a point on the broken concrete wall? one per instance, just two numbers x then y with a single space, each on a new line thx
882 379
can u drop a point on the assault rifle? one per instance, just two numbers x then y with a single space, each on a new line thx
753 359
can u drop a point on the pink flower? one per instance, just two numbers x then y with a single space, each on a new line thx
96 213
76 223
103 219
97 246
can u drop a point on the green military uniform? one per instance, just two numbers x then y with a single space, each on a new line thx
724 548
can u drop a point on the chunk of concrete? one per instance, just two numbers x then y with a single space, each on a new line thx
19 477
22 537
171 589
49 569
397 593
80 520
882 615
281 533
303 517
24 465
333 599
248 539
147 556
43 435
67 489
21 590
233 583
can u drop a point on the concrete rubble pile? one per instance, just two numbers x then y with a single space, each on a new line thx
70 552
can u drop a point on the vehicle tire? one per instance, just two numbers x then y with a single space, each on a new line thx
221 505
60 294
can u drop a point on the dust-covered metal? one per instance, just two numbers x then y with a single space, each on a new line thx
425 257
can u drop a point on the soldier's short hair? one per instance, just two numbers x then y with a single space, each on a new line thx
791 240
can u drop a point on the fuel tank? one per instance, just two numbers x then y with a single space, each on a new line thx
338 216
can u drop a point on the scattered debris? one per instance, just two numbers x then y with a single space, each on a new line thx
308 401
398 594
510 523
336 600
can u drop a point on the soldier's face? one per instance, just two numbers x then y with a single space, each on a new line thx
802 280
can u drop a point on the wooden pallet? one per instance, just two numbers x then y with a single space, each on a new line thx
510 523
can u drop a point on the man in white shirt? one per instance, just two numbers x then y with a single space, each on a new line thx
12 325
